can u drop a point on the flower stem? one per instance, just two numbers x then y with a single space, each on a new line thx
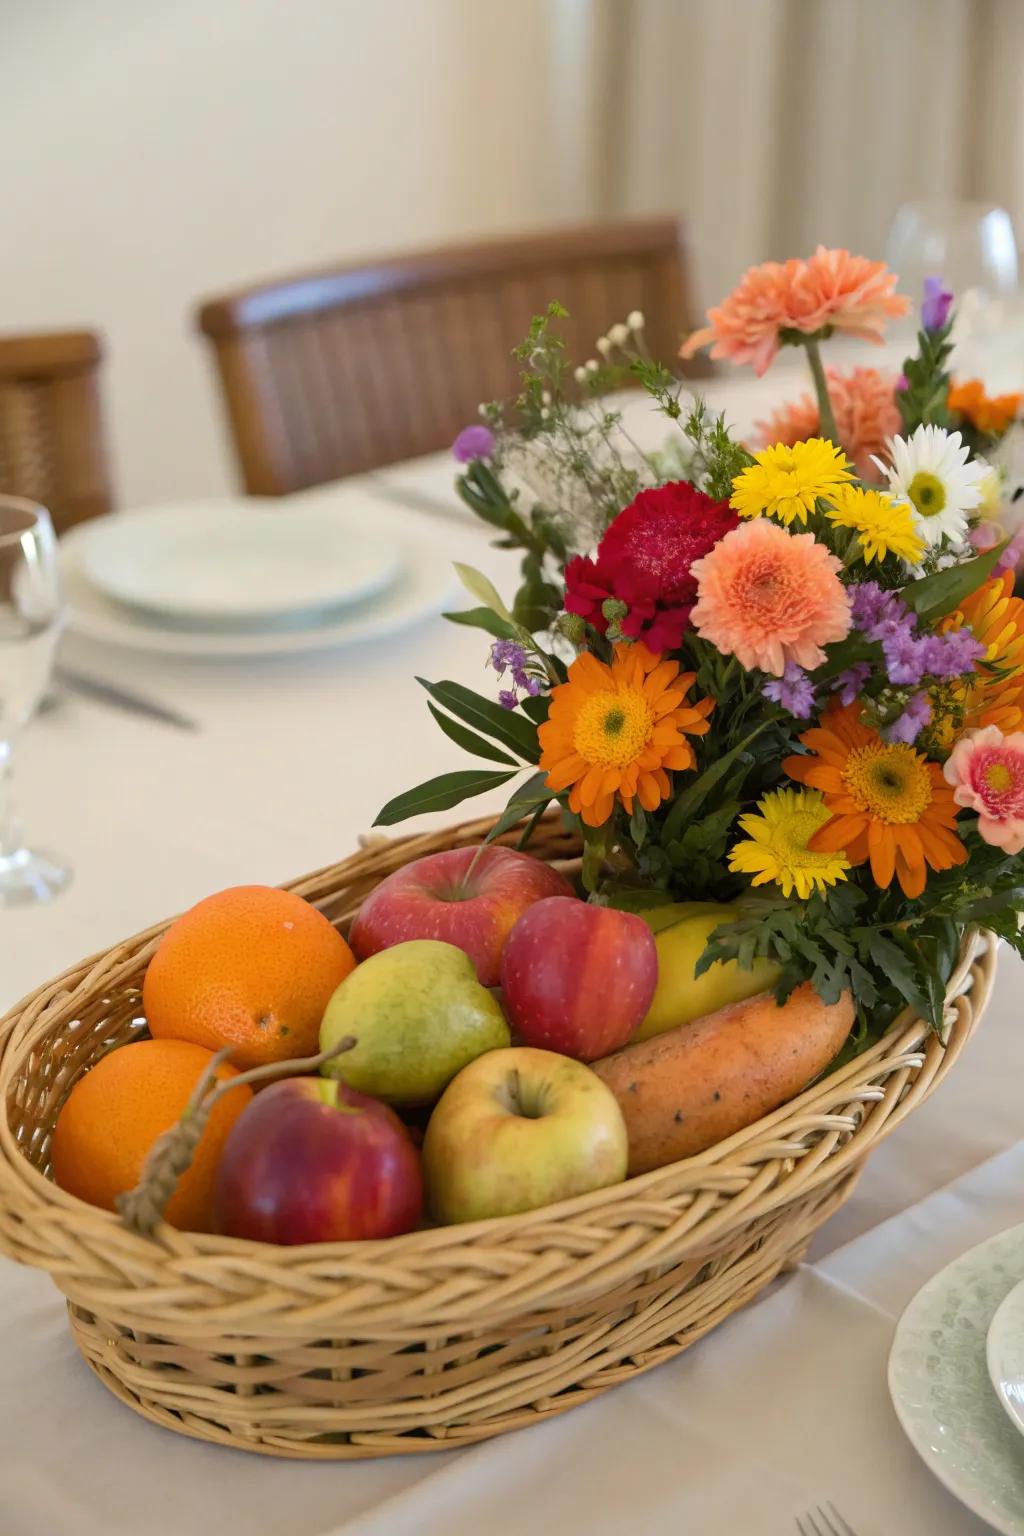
826 418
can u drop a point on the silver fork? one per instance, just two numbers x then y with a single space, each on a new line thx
824 1522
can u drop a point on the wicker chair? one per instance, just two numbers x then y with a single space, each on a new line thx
51 428
346 370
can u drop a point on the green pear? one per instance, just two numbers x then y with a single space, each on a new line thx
680 935
418 1015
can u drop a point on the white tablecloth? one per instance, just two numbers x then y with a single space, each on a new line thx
784 1406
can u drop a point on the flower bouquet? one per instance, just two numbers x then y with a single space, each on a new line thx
785 676
774 694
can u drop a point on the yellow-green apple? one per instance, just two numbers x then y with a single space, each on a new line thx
469 897
518 1129
681 936
313 1161
417 1014
577 978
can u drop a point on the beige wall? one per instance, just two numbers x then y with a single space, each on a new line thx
159 150
169 148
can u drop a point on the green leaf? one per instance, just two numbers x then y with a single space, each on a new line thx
530 828
529 797
900 969
513 730
478 586
536 707
484 618
696 792
934 596
469 741
440 794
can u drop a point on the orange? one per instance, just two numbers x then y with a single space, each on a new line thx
253 968
114 1113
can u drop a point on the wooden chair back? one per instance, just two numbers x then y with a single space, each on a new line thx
51 425
347 370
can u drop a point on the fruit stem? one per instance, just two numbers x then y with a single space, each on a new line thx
461 889
142 1209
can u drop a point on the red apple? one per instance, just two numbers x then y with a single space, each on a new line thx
313 1161
576 978
469 897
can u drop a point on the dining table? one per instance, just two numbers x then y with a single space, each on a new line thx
780 1409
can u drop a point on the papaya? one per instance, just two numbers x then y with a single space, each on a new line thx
689 1087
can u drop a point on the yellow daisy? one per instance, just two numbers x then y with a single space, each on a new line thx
883 526
784 482
777 848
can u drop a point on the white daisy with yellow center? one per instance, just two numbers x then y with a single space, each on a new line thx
932 472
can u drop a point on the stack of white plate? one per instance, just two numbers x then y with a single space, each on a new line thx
250 577
956 1374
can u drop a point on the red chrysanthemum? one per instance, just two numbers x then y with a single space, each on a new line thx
644 561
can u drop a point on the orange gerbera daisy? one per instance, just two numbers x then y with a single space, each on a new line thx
995 693
614 730
888 803
988 413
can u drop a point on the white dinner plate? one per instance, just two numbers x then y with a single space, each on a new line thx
245 560
940 1387
1005 1353
425 584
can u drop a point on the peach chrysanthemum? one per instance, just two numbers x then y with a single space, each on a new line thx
866 413
614 733
831 289
770 597
848 293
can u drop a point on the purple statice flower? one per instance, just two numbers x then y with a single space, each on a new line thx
475 442
908 726
793 690
952 654
506 654
507 698
936 304
849 683
902 384
528 684
877 613
904 655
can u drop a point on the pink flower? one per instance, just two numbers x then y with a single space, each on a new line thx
864 403
987 770
832 288
770 597
848 293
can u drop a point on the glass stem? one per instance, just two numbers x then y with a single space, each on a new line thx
826 417
10 833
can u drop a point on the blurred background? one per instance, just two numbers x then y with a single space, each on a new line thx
169 149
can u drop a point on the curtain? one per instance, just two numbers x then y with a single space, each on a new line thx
773 124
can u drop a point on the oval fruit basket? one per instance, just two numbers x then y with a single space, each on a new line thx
448 1335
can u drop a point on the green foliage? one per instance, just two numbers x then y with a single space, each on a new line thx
924 399
938 594
506 726
529 800
722 457
440 794
483 618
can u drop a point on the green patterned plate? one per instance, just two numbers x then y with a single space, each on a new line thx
938 1378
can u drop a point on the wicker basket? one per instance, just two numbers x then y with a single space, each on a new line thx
449 1335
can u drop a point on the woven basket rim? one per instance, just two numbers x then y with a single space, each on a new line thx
906 1035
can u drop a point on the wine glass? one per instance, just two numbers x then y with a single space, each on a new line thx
31 611
973 248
